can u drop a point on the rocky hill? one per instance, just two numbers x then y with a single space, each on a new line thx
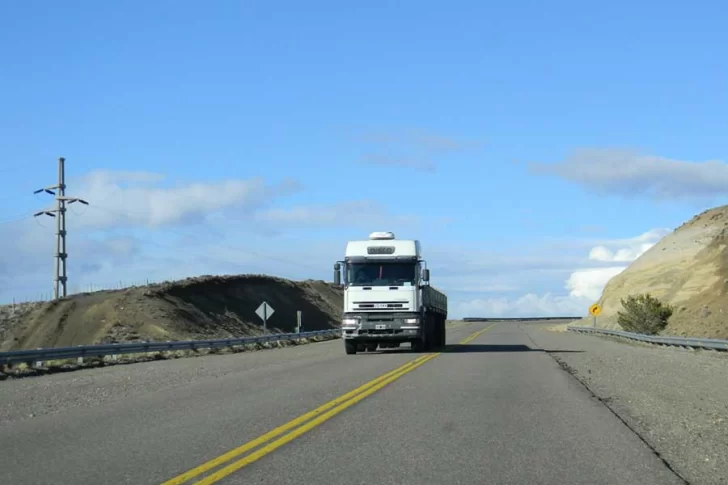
196 308
687 269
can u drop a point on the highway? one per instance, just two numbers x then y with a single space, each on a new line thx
493 408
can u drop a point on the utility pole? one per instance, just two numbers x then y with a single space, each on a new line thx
60 278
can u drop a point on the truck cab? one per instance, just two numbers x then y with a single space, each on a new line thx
387 297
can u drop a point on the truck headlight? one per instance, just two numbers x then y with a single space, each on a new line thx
350 321
412 321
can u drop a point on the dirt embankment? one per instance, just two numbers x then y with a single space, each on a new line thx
687 269
196 308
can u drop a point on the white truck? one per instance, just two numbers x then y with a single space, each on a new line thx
387 296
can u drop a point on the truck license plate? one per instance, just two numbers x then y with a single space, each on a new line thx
380 327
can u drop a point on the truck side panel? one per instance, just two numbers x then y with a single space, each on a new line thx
434 300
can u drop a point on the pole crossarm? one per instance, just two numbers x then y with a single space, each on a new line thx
60 278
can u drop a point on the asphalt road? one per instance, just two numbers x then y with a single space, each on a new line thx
495 410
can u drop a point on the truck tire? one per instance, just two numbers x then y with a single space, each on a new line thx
350 347
432 334
436 333
443 332
418 345
427 335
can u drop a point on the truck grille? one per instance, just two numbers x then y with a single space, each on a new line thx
388 331
382 305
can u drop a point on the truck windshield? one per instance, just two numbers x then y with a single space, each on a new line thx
380 274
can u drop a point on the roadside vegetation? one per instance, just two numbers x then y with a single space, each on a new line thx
644 314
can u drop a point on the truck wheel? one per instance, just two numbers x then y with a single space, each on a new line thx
350 347
443 333
418 345
436 333
431 333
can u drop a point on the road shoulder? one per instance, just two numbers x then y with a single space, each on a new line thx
675 400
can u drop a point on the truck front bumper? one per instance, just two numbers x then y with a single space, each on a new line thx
400 328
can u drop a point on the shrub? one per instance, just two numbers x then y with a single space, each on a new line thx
644 314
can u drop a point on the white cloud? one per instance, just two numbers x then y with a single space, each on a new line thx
105 258
629 173
139 199
26 262
479 287
362 213
590 282
627 250
140 225
583 284
528 305
601 253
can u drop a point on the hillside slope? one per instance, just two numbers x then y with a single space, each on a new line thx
195 308
687 269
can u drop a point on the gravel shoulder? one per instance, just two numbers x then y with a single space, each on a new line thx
676 400
32 397
22 399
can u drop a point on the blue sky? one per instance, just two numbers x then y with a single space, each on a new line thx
510 138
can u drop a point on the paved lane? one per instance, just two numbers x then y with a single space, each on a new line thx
157 434
496 410
493 410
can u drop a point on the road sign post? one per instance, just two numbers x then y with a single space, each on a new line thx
264 311
595 310
298 321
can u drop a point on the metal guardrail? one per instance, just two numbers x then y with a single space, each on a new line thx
58 353
517 319
691 342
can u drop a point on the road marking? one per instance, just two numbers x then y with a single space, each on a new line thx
224 472
314 418
286 427
475 335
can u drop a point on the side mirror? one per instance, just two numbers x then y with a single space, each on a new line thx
337 274
425 274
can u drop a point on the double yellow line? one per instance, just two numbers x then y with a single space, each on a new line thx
475 335
306 422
